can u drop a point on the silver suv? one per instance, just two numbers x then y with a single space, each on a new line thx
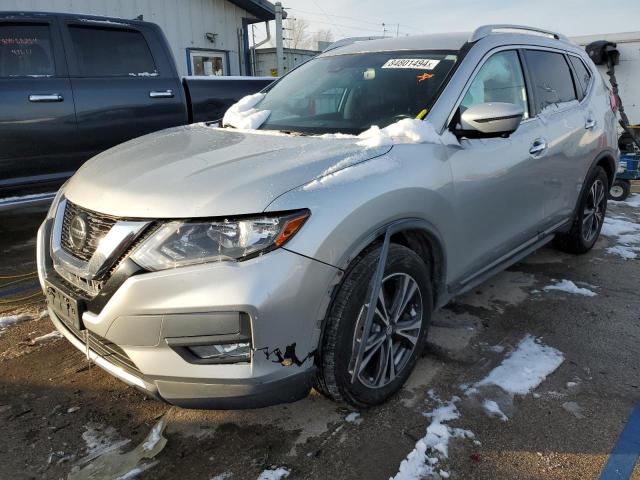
227 267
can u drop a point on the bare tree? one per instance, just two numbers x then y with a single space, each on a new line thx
321 36
296 33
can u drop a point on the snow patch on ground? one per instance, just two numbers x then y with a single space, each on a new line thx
616 226
223 476
493 410
243 115
155 435
434 446
46 338
353 417
627 235
632 201
407 130
274 474
570 287
525 368
9 320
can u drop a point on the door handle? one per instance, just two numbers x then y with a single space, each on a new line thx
538 147
163 94
590 124
49 97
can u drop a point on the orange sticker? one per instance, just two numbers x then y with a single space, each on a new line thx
424 76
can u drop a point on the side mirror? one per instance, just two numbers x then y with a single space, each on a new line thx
487 120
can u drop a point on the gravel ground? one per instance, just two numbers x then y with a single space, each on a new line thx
53 405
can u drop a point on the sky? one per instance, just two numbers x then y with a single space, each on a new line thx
349 18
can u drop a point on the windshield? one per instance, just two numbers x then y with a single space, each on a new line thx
350 93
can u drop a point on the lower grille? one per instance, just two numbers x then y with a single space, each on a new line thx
106 349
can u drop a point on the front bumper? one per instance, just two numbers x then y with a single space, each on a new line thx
284 295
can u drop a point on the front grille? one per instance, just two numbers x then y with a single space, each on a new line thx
98 225
106 349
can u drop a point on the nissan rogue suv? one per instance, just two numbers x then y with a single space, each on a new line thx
306 240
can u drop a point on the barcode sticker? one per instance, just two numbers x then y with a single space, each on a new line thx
414 63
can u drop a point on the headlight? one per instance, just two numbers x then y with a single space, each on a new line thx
180 243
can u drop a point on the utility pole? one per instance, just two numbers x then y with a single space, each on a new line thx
279 50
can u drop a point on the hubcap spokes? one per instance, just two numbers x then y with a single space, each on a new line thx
395 331
593 214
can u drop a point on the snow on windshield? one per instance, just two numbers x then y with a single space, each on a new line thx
242 115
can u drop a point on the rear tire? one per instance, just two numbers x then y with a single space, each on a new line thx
405 337
589 215
620 190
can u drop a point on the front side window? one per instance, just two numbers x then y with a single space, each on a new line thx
583 74
350 93
500 79
25 50
551 78
109 52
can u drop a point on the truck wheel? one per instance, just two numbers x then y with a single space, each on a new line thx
589 215
398 333
620 190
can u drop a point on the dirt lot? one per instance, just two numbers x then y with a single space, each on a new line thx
55 409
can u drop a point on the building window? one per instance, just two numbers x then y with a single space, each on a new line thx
208 63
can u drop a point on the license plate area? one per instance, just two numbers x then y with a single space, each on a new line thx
68 309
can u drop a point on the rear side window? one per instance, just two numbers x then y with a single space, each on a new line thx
25 50
551 78
583 74
108 52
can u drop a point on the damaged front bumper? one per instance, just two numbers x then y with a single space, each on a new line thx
143 333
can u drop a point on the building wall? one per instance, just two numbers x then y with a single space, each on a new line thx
184 22
265 60
627 72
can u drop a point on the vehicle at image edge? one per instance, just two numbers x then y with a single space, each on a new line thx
72 86
231 269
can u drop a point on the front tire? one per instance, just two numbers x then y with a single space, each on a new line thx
398 333
620 190
589 215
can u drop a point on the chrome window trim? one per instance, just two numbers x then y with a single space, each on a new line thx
111 246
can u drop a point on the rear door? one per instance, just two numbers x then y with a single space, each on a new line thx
124 82
37 119
557 105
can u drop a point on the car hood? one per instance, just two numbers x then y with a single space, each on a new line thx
201 171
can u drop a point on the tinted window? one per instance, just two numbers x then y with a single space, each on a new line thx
551 78
104 52
500 79
25 50
583 74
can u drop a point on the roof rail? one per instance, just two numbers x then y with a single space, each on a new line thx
486 30
348 41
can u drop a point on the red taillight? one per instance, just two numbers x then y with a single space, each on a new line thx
613 101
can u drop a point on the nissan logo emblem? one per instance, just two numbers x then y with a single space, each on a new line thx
78 232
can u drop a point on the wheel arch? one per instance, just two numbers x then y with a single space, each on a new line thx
607 161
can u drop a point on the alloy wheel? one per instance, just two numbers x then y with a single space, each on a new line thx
395 331
593 214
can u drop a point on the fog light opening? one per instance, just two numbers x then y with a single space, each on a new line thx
240 352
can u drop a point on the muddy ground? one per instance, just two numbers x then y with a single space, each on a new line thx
50 397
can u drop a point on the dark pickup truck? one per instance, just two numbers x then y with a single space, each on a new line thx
72 86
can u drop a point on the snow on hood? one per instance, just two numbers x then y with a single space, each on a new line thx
244 116
200 171
407 130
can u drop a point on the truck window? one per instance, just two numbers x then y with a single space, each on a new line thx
551 77
25 50
109 52
583 74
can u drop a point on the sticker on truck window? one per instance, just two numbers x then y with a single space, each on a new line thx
414 63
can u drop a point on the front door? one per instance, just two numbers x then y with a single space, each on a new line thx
499 198
37 118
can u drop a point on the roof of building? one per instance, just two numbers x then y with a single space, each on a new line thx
261 9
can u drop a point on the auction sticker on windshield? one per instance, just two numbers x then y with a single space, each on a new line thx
416 63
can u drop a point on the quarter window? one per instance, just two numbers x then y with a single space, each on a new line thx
108 52
500 79
583 74
551 78
25 50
